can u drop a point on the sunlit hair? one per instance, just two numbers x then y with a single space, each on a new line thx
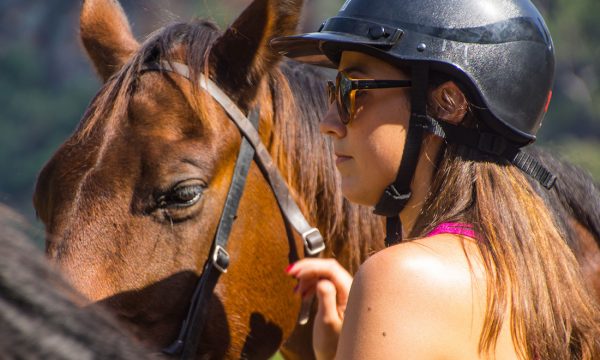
533 278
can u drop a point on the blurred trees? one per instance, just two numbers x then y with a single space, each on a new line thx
572 125
46 81
575 109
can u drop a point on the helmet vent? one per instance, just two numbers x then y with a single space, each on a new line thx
377 34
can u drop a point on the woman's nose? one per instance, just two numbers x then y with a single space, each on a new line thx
331 124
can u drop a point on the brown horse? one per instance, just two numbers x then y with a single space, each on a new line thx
131 201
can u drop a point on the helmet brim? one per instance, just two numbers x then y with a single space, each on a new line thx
322 48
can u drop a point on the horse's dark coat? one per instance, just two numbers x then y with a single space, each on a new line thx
39 318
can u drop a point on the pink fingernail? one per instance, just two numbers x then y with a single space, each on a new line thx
289 268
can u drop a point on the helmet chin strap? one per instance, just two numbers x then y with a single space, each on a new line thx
396 195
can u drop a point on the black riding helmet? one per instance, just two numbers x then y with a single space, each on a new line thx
499 51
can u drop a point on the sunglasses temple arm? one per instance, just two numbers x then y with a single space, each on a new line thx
380 84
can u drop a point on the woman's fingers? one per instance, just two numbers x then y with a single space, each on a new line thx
328 305
328 321
331 283
306 287
312 265
310 271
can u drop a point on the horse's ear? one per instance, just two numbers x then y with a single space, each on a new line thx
106 35
241 57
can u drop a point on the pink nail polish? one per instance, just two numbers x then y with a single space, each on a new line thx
289 268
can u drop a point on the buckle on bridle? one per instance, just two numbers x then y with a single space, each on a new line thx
220 259
313 242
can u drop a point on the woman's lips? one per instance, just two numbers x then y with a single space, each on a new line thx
341 158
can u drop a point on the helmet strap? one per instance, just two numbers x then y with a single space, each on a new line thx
493 145
396 195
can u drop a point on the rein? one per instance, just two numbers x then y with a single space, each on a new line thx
217 263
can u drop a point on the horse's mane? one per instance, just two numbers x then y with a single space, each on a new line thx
575 196
302 153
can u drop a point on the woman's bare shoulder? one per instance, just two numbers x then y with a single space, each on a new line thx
425 297
439 263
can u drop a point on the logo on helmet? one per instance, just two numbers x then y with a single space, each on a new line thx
548 101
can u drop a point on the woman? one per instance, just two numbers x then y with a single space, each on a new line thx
437 98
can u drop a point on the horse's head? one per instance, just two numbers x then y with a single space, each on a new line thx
131 201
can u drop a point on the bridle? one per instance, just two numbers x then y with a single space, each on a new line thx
251 148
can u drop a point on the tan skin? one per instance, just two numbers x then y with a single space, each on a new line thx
417 300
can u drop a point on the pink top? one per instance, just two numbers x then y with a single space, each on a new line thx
454 228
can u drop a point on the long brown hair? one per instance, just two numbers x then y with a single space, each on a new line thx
531 272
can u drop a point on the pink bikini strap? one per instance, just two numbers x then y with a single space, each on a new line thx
454 228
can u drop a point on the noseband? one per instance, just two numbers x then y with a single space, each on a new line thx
251 147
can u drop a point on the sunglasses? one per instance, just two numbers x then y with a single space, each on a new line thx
343 92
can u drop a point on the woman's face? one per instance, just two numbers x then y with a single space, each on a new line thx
369 149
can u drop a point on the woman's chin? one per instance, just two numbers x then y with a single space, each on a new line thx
357 194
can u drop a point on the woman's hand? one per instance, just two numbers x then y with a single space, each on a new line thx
331 283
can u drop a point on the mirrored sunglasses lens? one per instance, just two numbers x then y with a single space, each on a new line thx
343 97
345 89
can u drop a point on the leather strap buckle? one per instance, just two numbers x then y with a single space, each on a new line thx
220 259
313 242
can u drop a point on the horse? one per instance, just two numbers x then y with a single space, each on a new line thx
132 199
40 314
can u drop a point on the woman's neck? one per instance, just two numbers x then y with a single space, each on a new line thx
421 182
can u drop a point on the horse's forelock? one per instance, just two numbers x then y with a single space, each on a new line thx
185 42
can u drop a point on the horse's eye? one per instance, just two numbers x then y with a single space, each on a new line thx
183 194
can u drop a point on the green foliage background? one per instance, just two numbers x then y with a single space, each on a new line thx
46 81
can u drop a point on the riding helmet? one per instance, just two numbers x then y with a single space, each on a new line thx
499 50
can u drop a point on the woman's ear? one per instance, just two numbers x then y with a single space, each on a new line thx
448 103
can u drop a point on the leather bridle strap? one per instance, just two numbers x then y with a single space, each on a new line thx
188 339
313 241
